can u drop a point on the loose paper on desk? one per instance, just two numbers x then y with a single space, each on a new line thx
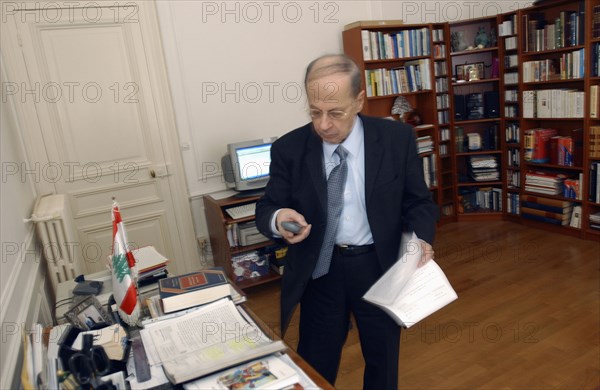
407 293
206 340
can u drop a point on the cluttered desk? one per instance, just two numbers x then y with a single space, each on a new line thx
217 344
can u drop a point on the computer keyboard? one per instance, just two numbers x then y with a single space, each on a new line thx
243 211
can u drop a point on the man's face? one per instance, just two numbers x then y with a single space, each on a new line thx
332 107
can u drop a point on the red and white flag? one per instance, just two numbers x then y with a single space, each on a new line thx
124 289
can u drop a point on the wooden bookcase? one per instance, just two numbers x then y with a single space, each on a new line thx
592 159
546 86
477 130
504 75
218 222
424 45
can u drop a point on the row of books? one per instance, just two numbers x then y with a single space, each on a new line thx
513 179
513 157
484 168
554 211
243 234
513 205
594 101
413 76
594 190
476 199
204 333
553 103
508 27
512 132
594 142
569 66
595 56
429 170
378 45
596 21
595 221
546 146
553 184
541 34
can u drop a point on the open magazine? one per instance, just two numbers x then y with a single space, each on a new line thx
408 293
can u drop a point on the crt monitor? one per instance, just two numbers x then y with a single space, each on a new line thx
246 164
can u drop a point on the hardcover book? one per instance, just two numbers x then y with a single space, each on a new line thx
193 289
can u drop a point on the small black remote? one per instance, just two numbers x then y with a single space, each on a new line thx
292 227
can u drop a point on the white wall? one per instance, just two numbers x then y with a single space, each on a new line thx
236 67
236 71
23 298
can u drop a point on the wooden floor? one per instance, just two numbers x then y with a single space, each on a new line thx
527 316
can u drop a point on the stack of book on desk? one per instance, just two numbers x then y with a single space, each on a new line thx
151 265
192 289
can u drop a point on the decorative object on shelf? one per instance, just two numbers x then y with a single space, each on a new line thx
481 39
401 107
470 72
458 41
493 38
414 118
495 73
473 73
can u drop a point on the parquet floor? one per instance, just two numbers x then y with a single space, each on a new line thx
527 317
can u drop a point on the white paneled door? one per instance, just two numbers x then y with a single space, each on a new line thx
92 97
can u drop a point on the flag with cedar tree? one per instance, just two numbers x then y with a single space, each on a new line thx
123 263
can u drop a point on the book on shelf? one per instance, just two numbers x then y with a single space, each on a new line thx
409 293
216 336
576 217
192 289
561 218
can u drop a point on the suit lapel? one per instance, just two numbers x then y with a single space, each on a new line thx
314 163
373 155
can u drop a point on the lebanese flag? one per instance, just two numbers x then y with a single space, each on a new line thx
123 261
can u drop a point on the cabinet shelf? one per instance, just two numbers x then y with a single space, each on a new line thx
479 183
557 81
475 121
469 83
552 166
388 61
478 152
546 52
474 51
217 221
557 197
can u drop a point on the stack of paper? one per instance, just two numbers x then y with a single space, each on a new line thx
409 293
151 265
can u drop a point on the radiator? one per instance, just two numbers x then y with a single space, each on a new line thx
55 229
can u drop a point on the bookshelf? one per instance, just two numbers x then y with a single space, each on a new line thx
591 212
553 86
412 62
543 65
477 123
219 222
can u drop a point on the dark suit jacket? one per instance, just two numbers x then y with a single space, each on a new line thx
396 196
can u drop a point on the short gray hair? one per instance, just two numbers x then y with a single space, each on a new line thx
339 63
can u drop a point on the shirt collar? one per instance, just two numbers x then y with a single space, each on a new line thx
352 143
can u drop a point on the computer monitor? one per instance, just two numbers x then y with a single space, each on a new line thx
246 164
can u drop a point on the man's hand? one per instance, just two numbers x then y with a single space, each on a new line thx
427 253
292 216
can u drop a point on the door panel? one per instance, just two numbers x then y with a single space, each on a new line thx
101 111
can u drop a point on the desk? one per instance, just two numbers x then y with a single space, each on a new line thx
64 292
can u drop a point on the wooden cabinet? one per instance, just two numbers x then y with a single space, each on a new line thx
219 222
